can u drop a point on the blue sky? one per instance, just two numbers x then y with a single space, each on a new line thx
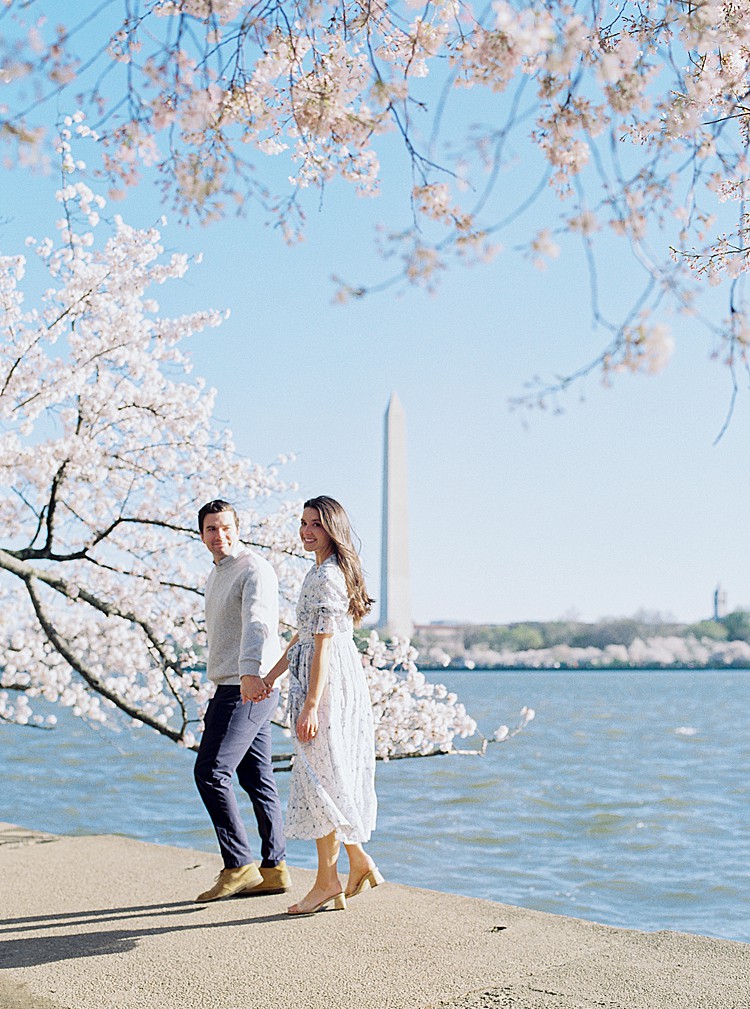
619 503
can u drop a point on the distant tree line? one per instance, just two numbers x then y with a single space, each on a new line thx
518 637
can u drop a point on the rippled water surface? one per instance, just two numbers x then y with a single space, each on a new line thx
626 801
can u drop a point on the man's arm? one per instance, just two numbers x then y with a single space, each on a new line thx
260 594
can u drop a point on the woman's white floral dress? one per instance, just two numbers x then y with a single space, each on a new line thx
333 776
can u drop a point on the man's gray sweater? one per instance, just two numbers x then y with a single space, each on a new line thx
242 617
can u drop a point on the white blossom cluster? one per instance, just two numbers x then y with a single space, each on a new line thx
412 715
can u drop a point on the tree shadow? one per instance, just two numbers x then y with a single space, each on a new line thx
47 948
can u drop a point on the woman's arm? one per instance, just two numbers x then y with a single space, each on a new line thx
281 666
307 723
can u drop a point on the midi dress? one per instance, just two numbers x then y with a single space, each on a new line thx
332 785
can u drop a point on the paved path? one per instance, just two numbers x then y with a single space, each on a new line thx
109 923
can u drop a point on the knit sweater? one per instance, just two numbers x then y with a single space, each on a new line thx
242 617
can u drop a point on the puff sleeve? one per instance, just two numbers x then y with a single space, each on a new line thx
330 604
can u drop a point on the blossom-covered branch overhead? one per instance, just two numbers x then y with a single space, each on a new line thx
632 118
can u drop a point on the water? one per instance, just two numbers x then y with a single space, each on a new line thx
625 802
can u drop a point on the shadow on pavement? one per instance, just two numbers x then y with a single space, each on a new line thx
50 948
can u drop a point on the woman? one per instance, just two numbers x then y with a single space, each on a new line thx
332 789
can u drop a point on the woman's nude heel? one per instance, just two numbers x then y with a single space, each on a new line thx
370 880
338 900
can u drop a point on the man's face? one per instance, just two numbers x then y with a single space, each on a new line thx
220 534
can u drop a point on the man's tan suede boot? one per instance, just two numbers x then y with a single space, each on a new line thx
231 881
276 879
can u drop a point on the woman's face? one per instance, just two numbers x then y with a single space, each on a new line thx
313 535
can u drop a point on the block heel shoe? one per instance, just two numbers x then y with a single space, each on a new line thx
370 880
338 900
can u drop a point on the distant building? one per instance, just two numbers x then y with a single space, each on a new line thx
395 596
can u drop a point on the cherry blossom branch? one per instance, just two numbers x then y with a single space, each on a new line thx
94 681
29 573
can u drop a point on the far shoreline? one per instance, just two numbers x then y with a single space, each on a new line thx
564 668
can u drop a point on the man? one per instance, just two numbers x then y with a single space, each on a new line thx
242 618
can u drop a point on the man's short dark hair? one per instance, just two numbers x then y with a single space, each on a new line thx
213 508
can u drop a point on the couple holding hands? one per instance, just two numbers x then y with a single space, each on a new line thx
332 788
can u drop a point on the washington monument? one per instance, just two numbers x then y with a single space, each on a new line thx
395 601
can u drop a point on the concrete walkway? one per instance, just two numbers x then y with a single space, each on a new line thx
110 923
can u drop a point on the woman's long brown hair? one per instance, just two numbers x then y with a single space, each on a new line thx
336 523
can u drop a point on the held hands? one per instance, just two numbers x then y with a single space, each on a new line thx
254 688
307 723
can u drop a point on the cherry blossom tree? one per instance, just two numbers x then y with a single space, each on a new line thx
107 449
622 120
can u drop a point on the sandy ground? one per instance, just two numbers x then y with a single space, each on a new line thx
110 923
